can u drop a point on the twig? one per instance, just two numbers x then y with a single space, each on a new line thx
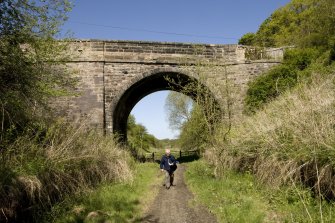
4 214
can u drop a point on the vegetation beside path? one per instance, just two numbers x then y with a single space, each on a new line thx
237 197
116 202
285 138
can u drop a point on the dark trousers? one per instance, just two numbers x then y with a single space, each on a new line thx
169 177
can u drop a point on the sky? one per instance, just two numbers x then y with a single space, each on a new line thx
190 21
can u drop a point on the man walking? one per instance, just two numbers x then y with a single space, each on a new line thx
169 165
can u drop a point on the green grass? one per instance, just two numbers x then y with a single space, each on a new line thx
117 202
231 199
238 198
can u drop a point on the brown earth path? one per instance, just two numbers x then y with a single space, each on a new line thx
173 205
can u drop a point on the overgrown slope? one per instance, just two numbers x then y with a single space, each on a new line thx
291 140
41 168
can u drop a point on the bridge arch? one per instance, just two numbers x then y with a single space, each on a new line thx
156 80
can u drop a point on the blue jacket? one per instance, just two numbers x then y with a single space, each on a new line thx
166 162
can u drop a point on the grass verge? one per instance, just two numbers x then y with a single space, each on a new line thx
236 197
117 202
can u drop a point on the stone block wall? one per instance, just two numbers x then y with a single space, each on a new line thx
106 69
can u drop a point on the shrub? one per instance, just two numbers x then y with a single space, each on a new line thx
268 86
247 39
279 79
300 58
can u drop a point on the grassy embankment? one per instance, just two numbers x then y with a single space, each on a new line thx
290 141
117 202
288 147
239 197
40 168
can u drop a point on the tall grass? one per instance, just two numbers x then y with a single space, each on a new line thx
112 202
292 140
40 169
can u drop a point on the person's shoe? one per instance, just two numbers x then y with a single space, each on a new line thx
167 188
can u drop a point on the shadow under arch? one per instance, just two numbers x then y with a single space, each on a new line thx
157 81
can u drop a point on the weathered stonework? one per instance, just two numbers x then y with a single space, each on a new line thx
115 75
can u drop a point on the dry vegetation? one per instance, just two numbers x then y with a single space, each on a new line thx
40 169
290 141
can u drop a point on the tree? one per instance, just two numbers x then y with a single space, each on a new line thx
178 108
29 54
303 23
139 138
187 117
194 132
309 26
247 39
193 118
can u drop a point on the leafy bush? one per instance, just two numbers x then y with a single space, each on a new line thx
300 58
247 39
27 82
279 79
268 86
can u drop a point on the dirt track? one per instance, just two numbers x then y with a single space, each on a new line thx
172 206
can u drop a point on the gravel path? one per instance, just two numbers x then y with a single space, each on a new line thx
172 206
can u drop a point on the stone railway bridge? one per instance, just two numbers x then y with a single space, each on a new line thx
115 75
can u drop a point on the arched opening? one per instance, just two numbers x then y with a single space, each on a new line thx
158 81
